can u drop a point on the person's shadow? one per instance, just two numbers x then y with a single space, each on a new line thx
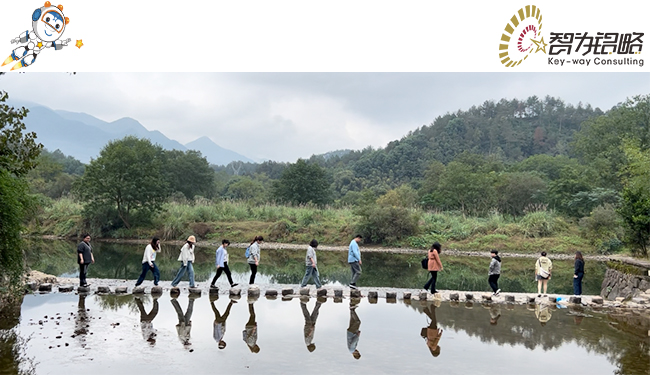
146 320
219 327
310 323
432 333
184 325
353 329
250 331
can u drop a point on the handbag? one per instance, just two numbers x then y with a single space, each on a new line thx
425 263
542 272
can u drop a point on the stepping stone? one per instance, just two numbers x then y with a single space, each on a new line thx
469 297
287 298
322 292
235 292
454 297
253 298
65 288
338 292
454 303
138 290
47 287
372 300
83 289
423 296
597 300
253 291
373 294
121 289
194 291
338 299
321 299
287 291
469 305
575 300
486 297
355 293
391 295
104 289
175 291
552 299
304 291
32 286
157 290
391 300
213 290
406 295
531 299
271 293
510 298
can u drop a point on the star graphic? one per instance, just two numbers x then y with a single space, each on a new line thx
541 46
80 43
39 45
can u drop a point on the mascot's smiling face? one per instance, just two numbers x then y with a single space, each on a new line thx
48 22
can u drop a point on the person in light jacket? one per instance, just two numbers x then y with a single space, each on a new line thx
494 272
187 258
254 257
354 260
149 262
543 269
222 264
310 264
435 265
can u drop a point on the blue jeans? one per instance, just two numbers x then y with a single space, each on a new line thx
577 285
309 273
145 269
181 273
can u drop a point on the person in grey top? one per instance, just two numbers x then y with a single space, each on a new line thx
311 270
310 323
84 258
494 272
253 259
250 332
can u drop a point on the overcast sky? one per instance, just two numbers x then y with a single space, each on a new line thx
286 116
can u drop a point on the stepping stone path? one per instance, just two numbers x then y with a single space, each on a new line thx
47 287
103 289
65 288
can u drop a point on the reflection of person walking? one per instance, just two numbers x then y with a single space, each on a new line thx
149 262
146 320
353 331
84 258
494 272
184 325
222 263
543 269
250 332
354 259
219 327
310 263
432 333
187 258
254 257
543 313
435 265
310 324
578 273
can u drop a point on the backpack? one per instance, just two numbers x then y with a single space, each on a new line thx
425 263
248 252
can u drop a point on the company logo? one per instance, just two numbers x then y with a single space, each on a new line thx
522 37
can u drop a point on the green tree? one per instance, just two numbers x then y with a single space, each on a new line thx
189 173
635 206
303 183
515 191
127 176
245 188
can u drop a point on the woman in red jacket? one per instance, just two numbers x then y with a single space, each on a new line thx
434 266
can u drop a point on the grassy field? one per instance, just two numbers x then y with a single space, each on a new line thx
241 221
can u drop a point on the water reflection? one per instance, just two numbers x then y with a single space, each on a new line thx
543 313
432 333
250 332
310 322
146 320
219 326
81 320
353 329
184 325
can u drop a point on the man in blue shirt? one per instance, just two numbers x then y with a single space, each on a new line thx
354 258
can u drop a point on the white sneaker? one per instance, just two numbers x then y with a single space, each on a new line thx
497 292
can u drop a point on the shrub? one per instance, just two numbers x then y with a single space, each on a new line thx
381 224
603 225
542 224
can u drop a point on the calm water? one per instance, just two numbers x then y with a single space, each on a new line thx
123 261
127 335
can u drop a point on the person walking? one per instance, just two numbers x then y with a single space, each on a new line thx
254 257
310 323
184 326
543 269
354 259
311 270
494 272
146 320
578 273
187 258
432 333
222 264
435 265
84 258
219 326
149 262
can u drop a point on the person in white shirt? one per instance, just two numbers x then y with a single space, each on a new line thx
149 262
187 258
219 327
222 264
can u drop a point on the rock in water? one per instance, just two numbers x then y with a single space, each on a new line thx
121 290
287 291
304 291
46 287
138 290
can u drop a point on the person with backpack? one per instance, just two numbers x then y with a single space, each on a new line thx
253 256
149 262
543 269
222 264
494 271
310 264
186 258
434 265
578 273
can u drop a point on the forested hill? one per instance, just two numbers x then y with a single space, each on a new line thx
510 130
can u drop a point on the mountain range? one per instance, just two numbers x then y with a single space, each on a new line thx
82 136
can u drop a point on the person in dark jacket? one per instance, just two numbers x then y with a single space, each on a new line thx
578 273
494 272
84 258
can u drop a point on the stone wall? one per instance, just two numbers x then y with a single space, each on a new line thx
624 280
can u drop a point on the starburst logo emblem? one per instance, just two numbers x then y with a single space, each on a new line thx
522 36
